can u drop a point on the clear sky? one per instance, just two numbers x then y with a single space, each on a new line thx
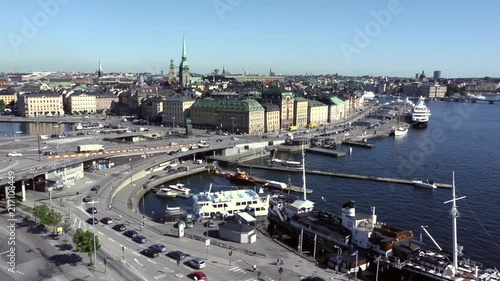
460 37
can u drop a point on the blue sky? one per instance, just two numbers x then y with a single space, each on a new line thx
460 38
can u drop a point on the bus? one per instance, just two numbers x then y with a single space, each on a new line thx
292 128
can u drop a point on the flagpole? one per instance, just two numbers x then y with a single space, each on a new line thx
378 261
356 266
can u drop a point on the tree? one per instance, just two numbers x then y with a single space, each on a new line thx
54 218
2 105
84 241
66 227
41 212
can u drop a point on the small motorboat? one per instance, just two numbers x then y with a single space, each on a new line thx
166 192
424 183
19 132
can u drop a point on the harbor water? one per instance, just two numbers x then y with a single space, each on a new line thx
461 137
10 129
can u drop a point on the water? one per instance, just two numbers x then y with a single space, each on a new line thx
461 137
9 129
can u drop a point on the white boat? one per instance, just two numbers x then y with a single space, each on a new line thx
179 187
401 128
424 183
401 131
185 194
229 202
420 114
166 192
174 211
19 132
282 163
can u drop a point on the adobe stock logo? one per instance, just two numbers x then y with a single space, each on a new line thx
223 6
363 37
30 27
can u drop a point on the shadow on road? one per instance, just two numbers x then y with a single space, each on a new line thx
64 247
66 259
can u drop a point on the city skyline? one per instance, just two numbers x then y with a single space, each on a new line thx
380 38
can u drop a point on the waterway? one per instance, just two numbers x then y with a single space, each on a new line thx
9 129
461 137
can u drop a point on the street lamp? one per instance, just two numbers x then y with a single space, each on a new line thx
173 122
93 230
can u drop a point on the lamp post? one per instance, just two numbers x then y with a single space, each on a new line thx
173 122
93 230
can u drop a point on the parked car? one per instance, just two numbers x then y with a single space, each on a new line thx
93 221
95 187
107 220
87 198
119 227
130 233
155 177
218 140
15 154
189 224
173 143
158 247
141 239
211 223
177 255
197 263
313 278
149 253
80 134
198 275
92 210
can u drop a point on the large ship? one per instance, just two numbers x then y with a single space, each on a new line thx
420 114
421 262
229 202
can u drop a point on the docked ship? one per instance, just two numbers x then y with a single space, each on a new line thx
88 126
284 164
420 114
229 202
242 177
181 190
166 192
421 262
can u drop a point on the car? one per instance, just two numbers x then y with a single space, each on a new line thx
141 239
168 168
15 154
313 278
155 177
92 210
173 143
235 138
189 224
93 221
80 134
107 220
211 223
49 152
120 227
149 253
177 255
264 137
95 187
87 198
158 247
197 263
198 275
130 233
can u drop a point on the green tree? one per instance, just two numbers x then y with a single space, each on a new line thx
84 241
54 218
2 105
66 227
41 211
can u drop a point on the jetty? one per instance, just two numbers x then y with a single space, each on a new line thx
359 143
326 151
341 175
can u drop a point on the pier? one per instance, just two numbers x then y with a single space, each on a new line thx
326 151
341 175
361 144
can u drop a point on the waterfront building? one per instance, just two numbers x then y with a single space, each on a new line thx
300 112
235 116
285 101
105 102
40 104
184 75
8 97
427 90
271 118
317 112
176 110
335 108
81 103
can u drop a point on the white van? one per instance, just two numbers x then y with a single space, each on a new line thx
198 161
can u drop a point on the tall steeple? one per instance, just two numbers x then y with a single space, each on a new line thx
184 74
100 72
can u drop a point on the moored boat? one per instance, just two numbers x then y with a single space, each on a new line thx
242 177
166 192
424 183
420 114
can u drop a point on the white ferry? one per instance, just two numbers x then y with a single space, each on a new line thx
229 202
282 163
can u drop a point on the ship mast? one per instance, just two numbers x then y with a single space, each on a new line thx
304 172
454 214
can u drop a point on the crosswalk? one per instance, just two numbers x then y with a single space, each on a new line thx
239 273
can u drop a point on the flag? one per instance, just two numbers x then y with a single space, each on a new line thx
323 198
355 253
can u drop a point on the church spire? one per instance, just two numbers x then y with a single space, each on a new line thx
184 55
100 72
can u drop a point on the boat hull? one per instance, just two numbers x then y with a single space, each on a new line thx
420 125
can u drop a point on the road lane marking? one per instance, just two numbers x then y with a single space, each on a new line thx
153 262
168 269
136 254
138 262
100 232
111 240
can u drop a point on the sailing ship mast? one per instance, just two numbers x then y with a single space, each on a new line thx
304 172
454 214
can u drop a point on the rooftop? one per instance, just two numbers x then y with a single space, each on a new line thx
228 105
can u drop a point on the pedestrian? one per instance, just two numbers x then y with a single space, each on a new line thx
254 267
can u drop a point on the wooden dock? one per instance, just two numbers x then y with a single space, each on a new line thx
362 144
341 175
326 151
